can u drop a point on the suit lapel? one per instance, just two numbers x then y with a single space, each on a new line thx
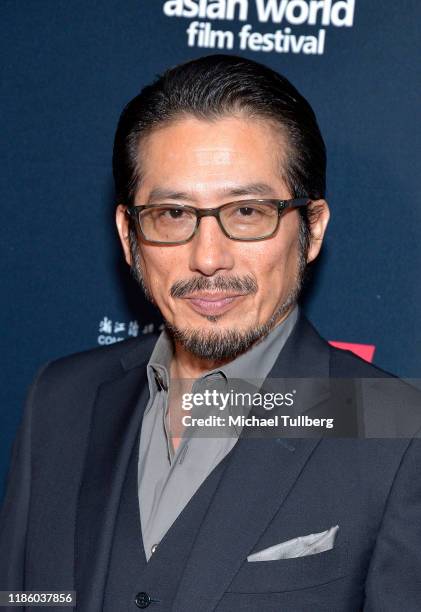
254 486
302 367
115 423
305 354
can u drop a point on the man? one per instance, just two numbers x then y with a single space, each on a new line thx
220 179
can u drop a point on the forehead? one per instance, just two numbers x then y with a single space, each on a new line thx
201 156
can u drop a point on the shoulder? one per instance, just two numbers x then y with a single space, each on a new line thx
64 390
389 406
347 364
92 366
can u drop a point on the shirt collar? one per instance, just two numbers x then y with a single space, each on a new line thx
158 367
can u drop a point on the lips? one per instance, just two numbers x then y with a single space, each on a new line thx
213 303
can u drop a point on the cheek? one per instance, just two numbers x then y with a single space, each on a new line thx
275 265
160 266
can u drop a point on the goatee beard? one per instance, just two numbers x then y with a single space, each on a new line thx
227 344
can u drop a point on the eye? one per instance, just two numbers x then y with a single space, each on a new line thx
170 213
246 211
251 211
173 213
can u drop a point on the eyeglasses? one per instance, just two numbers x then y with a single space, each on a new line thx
244 220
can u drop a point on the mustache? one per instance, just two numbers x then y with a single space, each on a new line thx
243 284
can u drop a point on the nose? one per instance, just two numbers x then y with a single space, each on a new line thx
211 250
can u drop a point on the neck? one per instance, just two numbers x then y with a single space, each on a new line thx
186 365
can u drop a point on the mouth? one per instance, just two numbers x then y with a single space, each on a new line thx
213 303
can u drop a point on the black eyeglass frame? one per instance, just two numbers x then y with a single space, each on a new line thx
282 205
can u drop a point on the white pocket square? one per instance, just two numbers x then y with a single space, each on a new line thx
298 547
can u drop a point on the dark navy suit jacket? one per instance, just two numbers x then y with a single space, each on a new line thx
70 502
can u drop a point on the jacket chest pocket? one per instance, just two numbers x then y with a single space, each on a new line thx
292 574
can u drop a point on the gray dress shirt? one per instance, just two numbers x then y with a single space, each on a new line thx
166 479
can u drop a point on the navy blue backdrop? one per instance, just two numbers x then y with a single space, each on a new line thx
69 66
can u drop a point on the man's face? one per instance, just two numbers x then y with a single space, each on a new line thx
213 286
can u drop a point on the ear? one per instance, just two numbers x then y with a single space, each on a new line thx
122 222
319 215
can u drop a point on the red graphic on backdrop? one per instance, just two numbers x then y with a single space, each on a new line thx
365 351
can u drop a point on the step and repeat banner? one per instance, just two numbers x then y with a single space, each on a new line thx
69 67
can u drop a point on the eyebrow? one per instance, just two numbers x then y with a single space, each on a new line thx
261 189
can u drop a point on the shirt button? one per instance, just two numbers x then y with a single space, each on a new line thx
142 600
153 548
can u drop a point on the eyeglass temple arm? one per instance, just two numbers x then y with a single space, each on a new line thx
294 203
